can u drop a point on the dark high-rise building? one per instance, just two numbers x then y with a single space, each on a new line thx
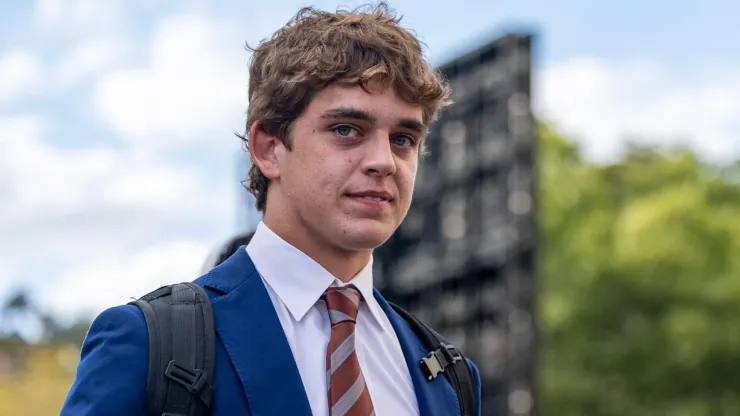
463 260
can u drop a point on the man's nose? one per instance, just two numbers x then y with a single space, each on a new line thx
379 159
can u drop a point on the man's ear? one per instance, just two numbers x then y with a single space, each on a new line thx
263 148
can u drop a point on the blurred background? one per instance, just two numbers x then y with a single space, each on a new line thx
576 228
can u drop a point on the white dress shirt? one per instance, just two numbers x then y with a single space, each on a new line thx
295 283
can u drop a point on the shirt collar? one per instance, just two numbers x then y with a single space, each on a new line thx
298 280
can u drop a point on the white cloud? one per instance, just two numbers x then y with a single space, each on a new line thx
89 59
117 217
24 74
193 89
21 74
40 179
601 104
74 17
113 277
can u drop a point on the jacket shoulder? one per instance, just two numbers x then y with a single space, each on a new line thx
112 373
477 385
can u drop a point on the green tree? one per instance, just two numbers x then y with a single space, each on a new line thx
640 284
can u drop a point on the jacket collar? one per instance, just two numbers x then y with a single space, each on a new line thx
250 331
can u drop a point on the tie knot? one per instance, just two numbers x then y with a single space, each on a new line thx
343 303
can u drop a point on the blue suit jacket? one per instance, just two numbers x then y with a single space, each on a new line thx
255 372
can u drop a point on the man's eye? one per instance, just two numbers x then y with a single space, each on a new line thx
403 141
345 131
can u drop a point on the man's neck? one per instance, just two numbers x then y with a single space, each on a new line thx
342 264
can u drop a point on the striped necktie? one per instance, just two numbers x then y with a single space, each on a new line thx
348 394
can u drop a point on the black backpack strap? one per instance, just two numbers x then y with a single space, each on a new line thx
179 320
444 358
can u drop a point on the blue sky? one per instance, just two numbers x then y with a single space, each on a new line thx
117 154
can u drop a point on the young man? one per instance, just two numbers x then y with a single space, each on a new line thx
339 105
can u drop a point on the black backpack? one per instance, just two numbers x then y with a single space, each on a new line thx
179 320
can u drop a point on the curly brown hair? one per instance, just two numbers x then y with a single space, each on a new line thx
317 48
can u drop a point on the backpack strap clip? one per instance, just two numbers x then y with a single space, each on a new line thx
195 381
438 360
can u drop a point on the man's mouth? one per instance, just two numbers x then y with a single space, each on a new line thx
373 195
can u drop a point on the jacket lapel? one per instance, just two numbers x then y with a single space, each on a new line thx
250 330
436 397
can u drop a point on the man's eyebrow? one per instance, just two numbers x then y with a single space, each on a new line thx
411 124
348 112
358 114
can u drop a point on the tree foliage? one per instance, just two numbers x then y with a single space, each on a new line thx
640 284
35 376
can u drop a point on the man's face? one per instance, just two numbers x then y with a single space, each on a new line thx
349 175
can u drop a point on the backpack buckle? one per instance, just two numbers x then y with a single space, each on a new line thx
438 360
193 380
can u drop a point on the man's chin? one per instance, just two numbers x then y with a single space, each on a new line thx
366 235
